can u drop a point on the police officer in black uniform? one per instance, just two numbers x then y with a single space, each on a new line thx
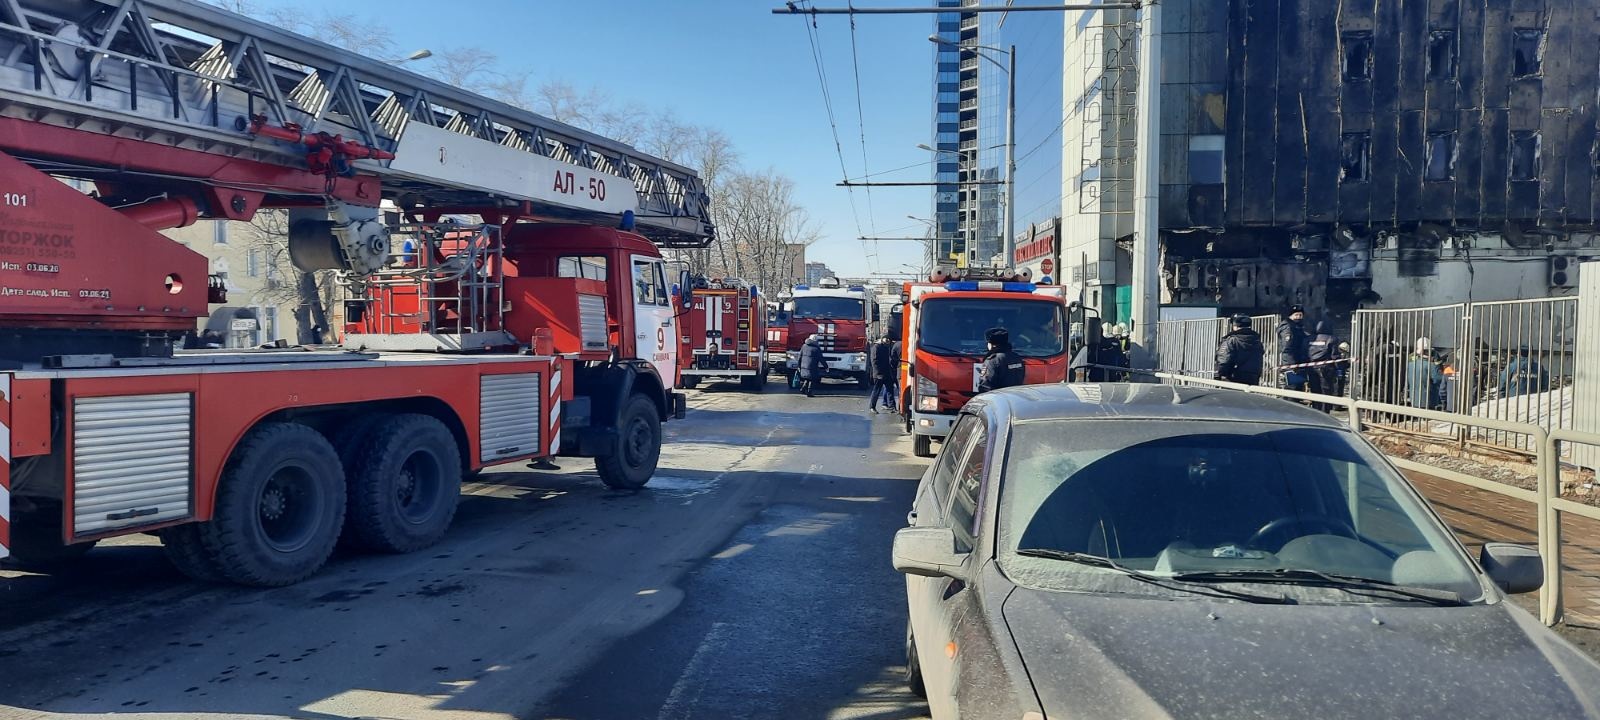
1002 368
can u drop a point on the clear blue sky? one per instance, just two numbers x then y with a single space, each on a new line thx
734 65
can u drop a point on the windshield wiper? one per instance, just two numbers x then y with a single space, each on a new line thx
938 349
1164 582
1349 583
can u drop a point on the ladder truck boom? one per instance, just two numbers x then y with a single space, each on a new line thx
544 330
180 89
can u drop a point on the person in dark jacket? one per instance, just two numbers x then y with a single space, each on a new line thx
1294 346
1002 368
1323 347
812 365
885 369
1240 353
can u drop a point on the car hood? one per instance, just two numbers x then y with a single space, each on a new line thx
1093 656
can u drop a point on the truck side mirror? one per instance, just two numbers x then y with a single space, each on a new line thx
877 312
685 294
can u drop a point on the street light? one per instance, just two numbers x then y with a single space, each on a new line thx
1010 69
418 55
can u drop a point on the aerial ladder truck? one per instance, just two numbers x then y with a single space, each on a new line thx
542 329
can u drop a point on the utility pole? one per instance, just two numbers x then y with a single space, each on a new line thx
1146 192
1008 245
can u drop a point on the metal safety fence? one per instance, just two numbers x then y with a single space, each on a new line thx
1189 347
1506 360
1552 511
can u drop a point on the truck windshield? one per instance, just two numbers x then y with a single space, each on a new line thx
830 308
956 326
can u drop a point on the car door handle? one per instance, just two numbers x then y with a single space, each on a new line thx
666 323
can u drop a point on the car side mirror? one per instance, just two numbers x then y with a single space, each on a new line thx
928 552
1516 569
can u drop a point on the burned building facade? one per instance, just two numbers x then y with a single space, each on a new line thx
1377 153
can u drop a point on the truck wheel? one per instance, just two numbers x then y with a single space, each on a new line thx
633 461
922 446
280 505
403 486
187 552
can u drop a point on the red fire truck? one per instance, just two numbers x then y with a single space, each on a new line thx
943 346
723 322
777 337
842 316
542 330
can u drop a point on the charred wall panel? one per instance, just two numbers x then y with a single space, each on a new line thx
1289 146
1260 103
1581 86
1385 112
1445 97
1235 184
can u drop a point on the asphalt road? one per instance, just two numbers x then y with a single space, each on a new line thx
749 580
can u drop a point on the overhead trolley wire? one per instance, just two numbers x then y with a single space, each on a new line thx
838 147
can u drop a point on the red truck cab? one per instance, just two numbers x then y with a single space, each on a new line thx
943 346
842 316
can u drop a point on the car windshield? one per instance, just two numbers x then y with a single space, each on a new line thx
1214 500
952 326
830 308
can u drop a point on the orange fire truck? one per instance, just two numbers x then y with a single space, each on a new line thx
723 322
543 329
943 346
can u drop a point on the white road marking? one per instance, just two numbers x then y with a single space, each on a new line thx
686 691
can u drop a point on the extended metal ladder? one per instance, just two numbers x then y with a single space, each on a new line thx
743 316
194 76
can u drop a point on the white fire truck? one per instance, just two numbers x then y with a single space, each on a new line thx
544 330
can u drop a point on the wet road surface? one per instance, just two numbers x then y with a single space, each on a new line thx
751 579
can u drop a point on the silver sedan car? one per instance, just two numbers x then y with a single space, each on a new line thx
1117 551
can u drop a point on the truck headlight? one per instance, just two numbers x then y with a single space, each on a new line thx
860 358
927 395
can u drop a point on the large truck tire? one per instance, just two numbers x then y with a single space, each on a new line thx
280 506
403 485
633 461
922 446
187 552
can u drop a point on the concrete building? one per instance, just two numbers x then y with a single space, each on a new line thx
816 271
1391 156
262 299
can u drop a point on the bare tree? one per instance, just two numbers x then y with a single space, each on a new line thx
309 293
760 228
471 68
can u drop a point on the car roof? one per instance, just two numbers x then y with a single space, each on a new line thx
1145 401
